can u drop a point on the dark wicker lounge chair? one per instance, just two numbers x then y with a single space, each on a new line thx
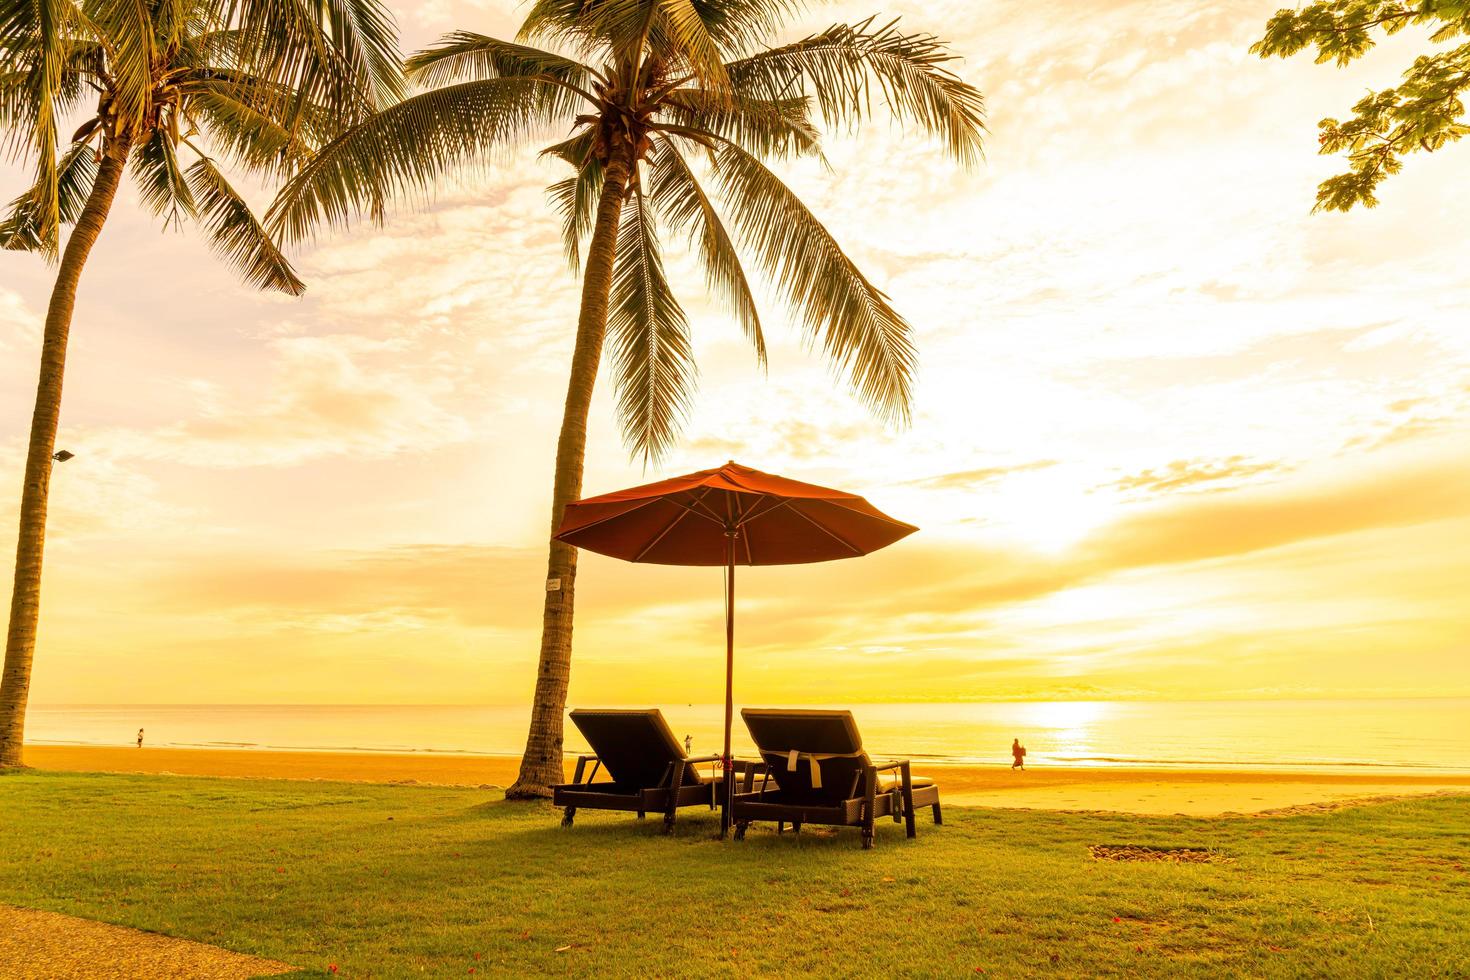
648 769
815 771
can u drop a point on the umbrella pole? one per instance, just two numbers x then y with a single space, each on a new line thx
727 761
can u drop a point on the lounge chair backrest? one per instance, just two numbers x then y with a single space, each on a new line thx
635 746
826 744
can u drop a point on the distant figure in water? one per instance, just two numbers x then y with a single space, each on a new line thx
688 744
1018 755
140 738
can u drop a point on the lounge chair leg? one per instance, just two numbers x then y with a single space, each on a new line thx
642 815
870 804
668 823
740 826
938 817
796 826
780 826
567 817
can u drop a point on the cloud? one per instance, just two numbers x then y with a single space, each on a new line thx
1254 520
20 326
923 597
1192 473
471 585
328 396
971 479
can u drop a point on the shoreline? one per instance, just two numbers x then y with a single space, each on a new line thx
943 763
1149 790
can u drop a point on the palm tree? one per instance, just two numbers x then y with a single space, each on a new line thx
672 105
160 86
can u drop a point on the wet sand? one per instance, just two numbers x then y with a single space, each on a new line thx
1129 790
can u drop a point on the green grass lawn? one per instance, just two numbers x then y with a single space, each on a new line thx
409 881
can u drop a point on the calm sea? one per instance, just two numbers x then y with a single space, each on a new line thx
1416 734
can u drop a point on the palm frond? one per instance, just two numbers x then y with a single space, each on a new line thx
162 187
23 228
402 150
769 128
176 22
648 337
232 110
687 37
575 199
33 50
464 56
235 233
366 34
24 93
740 25
840 66
576 149
340 54
681 200
132 46
630 31
847 316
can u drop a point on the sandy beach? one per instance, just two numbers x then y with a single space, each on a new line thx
1129 790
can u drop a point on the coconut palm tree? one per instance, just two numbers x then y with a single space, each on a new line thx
166 89
675 109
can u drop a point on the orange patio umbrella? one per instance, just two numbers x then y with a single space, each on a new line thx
729 516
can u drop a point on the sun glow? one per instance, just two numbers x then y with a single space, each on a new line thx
1050 512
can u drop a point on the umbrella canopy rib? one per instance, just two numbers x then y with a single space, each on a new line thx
684 511
829 532
610 517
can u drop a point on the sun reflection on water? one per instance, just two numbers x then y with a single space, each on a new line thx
1066 728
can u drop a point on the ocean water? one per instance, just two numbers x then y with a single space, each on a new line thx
1401 734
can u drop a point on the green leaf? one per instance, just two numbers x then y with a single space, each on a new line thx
844 314
236 234
685 206
841 67
648 338
23 229
162 187
402 150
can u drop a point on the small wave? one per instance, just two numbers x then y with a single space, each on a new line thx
386 750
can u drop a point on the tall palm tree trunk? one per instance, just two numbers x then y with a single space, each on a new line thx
25 601
541 764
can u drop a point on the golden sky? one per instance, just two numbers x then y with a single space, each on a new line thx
1176 437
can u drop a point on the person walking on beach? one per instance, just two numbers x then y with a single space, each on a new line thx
140 738
1018 755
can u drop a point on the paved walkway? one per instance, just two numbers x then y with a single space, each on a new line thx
38 945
